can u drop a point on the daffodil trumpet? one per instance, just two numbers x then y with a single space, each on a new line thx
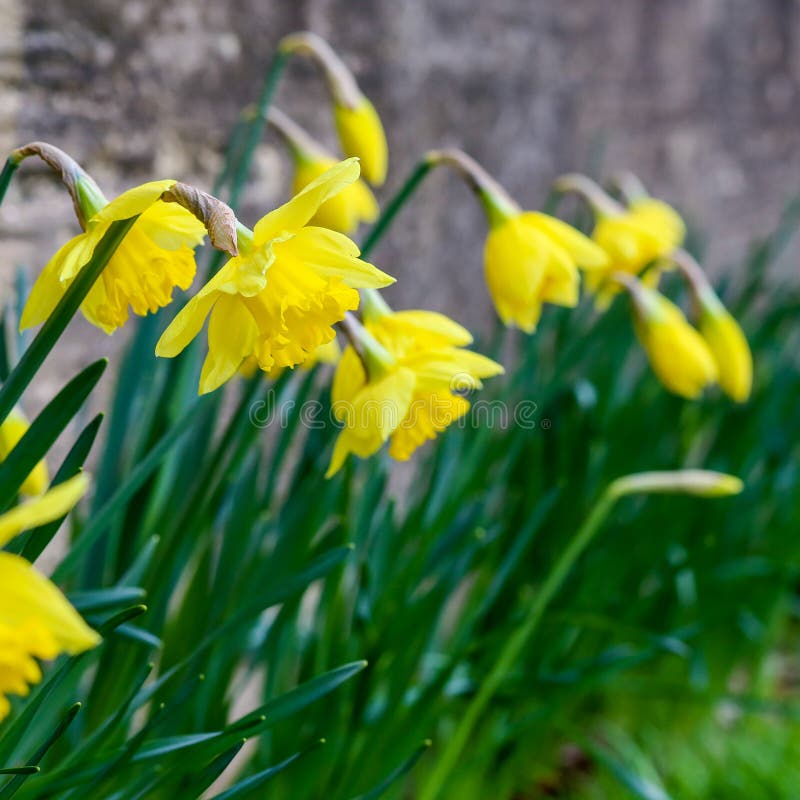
722 333
357 123
349 208
36 621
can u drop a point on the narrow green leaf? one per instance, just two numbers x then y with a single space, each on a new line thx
44 430
33 358
395 774
106 599
10 789
100 521
297 699
260 778
40 537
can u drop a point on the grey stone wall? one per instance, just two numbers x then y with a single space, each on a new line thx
700 97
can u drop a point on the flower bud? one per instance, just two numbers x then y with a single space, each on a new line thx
677 353
728 345
698 482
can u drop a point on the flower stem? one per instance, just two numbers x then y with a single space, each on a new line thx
56 323
515 645
9 168
255 128
397 202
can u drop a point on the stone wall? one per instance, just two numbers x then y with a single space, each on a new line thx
700 97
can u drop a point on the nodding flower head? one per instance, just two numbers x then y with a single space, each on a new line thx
403 380
280 297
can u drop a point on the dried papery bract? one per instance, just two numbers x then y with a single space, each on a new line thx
80 185
217 217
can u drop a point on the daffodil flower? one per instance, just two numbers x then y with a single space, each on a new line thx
645 233
280 297
36 620
678 354
12 430
361 134
360 130
531 259
412 386
346 210
154 258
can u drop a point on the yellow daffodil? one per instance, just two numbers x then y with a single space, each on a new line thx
412 389
678 354
36 620
641 235
359 127
361 134
279 298
154 258
11 431
532 258
346 210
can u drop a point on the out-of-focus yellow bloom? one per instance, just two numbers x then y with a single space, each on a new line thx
154 258
11 431
360 130
646 232
345 211
36 620
530 259
678 354
728 345
279 298
361 134
418 371
348 208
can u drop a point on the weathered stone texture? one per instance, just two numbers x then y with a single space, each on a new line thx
700 97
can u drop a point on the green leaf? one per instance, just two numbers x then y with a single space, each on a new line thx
297 699
246 786
40 537
10 789
95 600
44 430
395 774
116 503
33 358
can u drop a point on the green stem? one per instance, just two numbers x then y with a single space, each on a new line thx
256 127
33 358
242 147
394 206
9 168
515 645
